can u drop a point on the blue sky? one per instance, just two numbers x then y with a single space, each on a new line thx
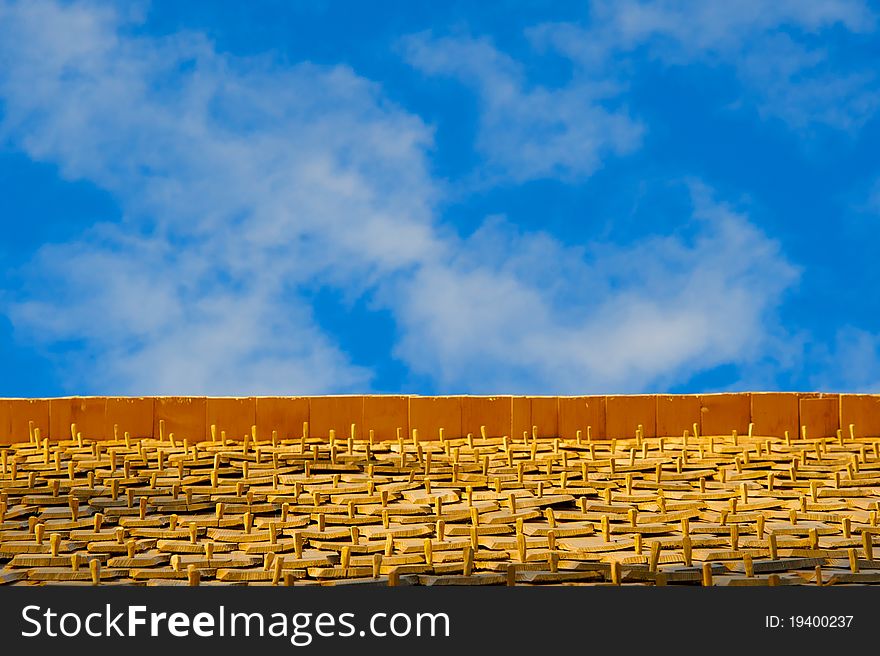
511 197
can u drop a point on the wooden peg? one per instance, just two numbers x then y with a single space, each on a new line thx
615 572
814 539
748 565
95 569
707 574
654 560
377 565
853 560
511 574
868 545
475 538
193 576
521 546
550 515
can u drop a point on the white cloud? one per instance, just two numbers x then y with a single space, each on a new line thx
777 48
872 201
241 182
527 131
246 183
699 26
850 364
522 312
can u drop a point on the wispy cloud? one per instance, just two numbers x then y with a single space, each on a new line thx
872 200
242 182
522 312
775 48
849 364
529 131
245 183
